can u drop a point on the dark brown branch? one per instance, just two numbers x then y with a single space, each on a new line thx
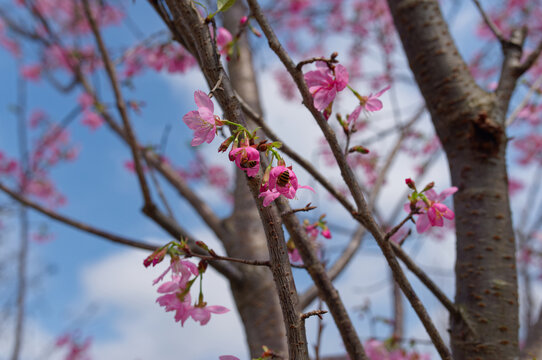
363 214
392 232
424 278
121 105
532 89
531 59
330 61
318 313
327 291
76 224
336 269
494 29
195 32
307 207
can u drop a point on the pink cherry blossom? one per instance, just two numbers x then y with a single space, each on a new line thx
326 233
203 314
244 156
324 83
368 103
92 120
223 40
434 213
273 189
85 100
203 121
31 72
228 357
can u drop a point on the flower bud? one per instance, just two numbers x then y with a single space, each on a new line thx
429 186
410 183
243 20
225 144
360 149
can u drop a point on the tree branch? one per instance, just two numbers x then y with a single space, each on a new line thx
363 214
121 105
494 29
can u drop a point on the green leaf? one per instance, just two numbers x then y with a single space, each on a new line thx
224 5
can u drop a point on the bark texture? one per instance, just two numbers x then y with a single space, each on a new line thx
470 125
256 297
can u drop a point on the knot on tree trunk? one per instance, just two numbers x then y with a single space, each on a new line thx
485 135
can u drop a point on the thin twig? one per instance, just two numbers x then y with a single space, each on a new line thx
531 59
318 313
307 207
494 29
331 60
392 232
121 105
534 87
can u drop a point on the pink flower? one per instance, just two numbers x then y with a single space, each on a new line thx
203 314
434 213
223 40
282 181
182 308
247 158
324 84
92 120
181 269
85 100
294 256
203 121
228 357
31 72
326 233
368 103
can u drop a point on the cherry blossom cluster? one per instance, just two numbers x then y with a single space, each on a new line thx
175 293
245 152
328 80
427 206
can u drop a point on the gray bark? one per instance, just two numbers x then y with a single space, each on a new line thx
470 125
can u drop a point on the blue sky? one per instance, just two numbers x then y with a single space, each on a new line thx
102 289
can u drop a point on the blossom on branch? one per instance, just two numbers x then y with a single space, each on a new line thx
368 103
247 158
431 211
202 121
324 83
282 181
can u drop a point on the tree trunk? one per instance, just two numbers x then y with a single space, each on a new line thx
470 125
256 297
